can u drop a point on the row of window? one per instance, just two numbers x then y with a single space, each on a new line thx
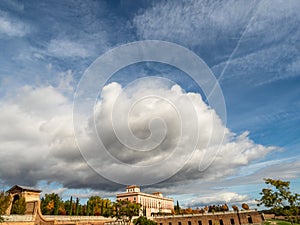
154 203
210 222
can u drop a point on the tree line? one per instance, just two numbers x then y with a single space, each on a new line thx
122 210
52 204
277 197
210 209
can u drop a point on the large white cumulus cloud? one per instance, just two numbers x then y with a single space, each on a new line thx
217 152
38 142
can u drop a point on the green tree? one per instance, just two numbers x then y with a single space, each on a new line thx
99 206
71 206
125 210
4 203
142 220
19 206
57 203
77 207
87 213
177 208
51 204
107 208
279 198
95 205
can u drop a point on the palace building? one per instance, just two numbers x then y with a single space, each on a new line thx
152 204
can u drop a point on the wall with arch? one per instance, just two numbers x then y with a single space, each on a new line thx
220 218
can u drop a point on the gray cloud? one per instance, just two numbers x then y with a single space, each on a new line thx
37 140
38 144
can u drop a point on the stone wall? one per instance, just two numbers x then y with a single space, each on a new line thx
79 220
223 218
18 219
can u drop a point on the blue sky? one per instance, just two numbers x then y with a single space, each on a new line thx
252 48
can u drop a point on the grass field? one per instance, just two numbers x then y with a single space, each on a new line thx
278 222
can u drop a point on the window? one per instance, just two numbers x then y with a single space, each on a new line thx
199 222
170 223
232 221
189 223
210 222
160 224
250 219
221 222
179 223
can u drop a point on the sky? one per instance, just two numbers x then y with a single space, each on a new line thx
201 136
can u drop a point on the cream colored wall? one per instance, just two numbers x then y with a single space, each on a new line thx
28 195
18 223
31 196
153 204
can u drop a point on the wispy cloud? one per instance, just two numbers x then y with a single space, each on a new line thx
200 25
66 48
261 34
12 27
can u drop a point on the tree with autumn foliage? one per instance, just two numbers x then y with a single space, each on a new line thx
235 208
51 204
98 206
224 208
245 206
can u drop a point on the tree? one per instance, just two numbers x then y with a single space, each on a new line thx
224 208
51 204
77 207
108 208
142 220
4 203
71 206
235 208
99 206
187 211
177 208
87 212
57 203
245 206
279 198
125 210
19 206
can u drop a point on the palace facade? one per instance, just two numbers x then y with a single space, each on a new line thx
152 204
